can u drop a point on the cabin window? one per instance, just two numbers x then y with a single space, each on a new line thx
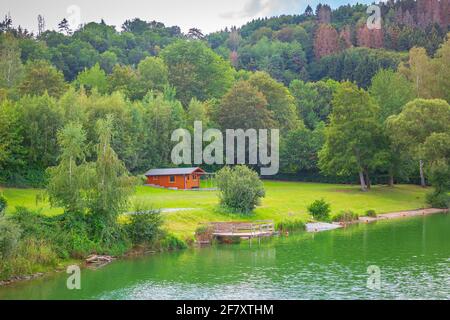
172 179
155 178
194 177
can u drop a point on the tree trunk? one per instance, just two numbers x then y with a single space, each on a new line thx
391 179
368 184
361 180
422 177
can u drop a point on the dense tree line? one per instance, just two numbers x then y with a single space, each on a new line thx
299 46
345 125
287 47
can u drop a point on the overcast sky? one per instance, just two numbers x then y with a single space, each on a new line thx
207 15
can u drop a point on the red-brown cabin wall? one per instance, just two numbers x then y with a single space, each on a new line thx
179 183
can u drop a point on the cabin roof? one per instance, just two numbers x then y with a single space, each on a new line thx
173 171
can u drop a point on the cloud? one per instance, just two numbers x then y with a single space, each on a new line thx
250 9
253 8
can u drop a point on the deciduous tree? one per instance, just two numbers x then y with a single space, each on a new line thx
11 136
153 73
299 150
442 67
326 41
10 64
352 137
68 179
244 107
420 71
279 100
418 120
40 77
313 100
197 71
41 118
92 78
391 90
110 183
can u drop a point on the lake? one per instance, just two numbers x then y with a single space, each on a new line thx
412 254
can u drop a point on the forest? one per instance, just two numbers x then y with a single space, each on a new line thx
349 101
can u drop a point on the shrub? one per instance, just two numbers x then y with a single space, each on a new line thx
31 256
9 237
67 234
144 226
320 209
290 225
240 188
439 176
3 204
438 199
33 223
371 213
38 252
78 246
74 238
170 242
61 233
345 216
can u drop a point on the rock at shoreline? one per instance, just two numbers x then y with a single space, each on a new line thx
20 278
321 226
98 261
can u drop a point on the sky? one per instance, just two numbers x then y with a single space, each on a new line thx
207 15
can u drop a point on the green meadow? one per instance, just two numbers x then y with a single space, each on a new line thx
284 202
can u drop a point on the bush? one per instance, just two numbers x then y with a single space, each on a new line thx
290 225
33 223
72 235
38 252
9 237
240 188
144 226
170 242
438 199
440 180
31 256
320 210
3 204
61 233
74 239
371 213
439 176
345 216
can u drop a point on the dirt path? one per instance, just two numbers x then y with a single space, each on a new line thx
403 214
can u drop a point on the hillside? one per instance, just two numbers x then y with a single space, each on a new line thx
281 72
287 47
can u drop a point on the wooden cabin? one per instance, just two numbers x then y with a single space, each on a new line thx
177 178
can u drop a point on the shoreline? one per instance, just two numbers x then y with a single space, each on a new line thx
320 226
82 263
133 253
402 214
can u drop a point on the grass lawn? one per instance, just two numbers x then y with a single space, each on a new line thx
27 198
284 201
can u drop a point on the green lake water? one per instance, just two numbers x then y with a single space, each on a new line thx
413 255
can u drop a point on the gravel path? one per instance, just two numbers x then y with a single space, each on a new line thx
403 214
